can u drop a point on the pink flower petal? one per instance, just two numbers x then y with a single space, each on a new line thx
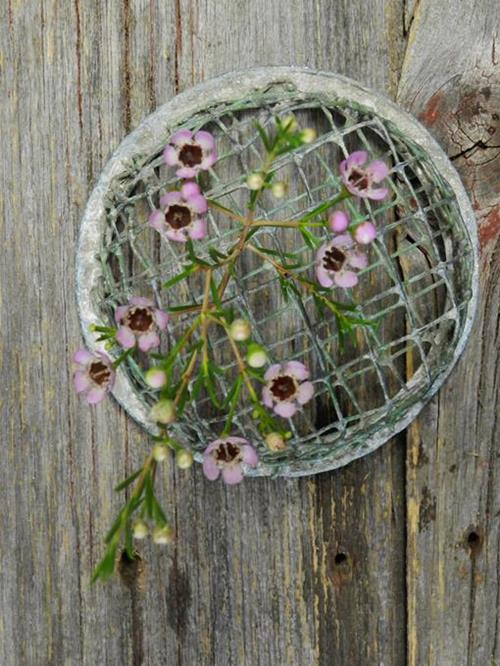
272 371
189 189
120 313
232 475
267 397
186 172
95 395
378 170
213 445
236 440
142 301
170 198
344 240
208 161
82 356
149 341
170 156
377 193
250 455
181 136
285 409
157 220
357 158
210 469
81 381
177 235
305 393
198 203
125 337
161 319
297 369
324 277
198 229
357 259
346 279
205 139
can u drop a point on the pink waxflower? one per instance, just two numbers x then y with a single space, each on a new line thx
287 389
94 375
181 214
338 221
191 153
335 260
226 455
139 322
365 233
360 180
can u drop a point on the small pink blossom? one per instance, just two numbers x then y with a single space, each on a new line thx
181 214
139 322
226 455
360 180
365 233
287 388
191 153
335 260
338 221
94 375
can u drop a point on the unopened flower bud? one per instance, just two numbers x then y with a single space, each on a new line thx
255 181
365 233
160 452
275 441
279 189
155 378
256 355
308 135
184 459
163 535
108 345
338 221
290 122
163 412
140 530
240 330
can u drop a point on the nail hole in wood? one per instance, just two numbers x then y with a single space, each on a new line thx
474 541
130 570
340 558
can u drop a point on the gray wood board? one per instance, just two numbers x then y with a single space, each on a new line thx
255 576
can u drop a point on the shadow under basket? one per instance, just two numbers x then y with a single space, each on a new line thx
419 289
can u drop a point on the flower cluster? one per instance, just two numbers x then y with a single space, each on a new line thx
286 385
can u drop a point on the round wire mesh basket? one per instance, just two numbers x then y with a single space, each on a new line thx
420 286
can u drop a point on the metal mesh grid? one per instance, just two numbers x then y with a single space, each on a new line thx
417 284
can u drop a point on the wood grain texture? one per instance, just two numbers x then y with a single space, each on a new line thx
372 564
453 466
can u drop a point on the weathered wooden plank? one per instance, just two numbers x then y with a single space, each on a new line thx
452 81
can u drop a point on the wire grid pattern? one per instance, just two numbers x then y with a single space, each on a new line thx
421 256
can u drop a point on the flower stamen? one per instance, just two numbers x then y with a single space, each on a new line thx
190 154
178 217
283 387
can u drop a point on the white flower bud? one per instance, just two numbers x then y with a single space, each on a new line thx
308 135
163 412
240 330
279 189
155 378
275 441
140 530
256 356
255 181
163 535
290 122
184 459
160 452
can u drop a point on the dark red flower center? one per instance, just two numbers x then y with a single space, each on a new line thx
178 216
99 373
190 154
359 179
139 319
283 387
227 452
334 259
